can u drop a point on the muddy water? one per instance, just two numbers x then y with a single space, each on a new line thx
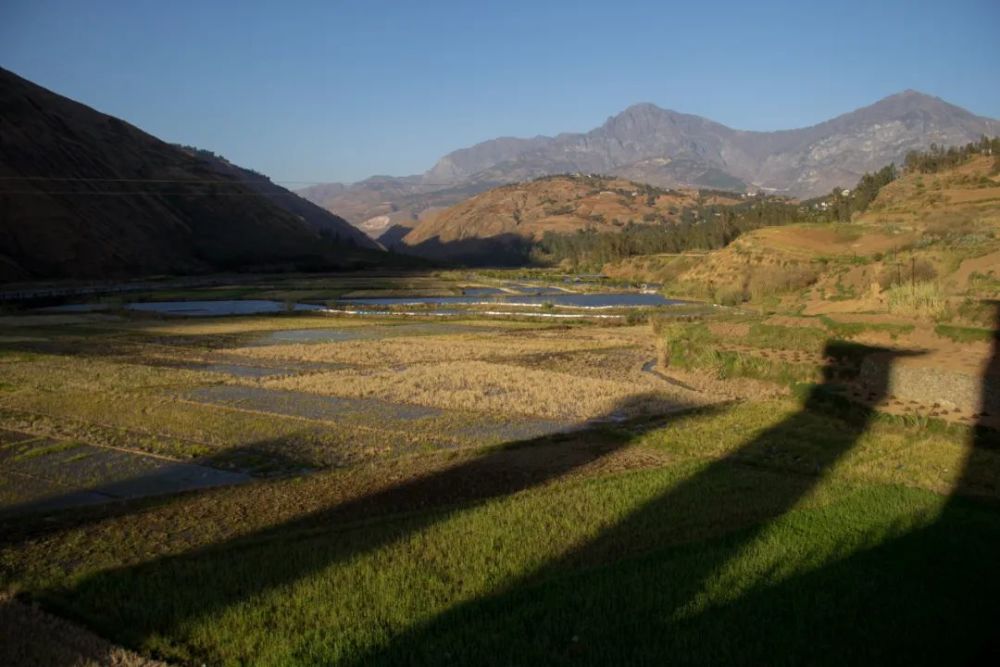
194 308
441 427
215 308
308 406
375 332
558 299
40 475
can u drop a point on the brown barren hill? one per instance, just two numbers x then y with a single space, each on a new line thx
526 211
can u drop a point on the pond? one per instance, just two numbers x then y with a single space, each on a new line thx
53 475
453 304
194 308
560 299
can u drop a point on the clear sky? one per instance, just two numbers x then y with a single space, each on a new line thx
343 89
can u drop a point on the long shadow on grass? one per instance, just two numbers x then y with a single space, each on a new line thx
928 594
163 598
924 595
621 598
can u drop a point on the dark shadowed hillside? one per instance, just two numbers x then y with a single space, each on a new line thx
86 195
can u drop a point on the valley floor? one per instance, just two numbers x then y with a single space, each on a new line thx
309 489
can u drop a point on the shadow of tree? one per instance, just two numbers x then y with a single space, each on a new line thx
132 604
626 612
928 596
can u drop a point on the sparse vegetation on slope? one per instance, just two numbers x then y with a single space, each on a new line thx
927 246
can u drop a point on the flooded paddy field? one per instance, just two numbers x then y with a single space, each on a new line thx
447 295
552 298
46 474
192 308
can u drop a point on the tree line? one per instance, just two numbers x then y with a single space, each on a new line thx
938 158
705 227
840 206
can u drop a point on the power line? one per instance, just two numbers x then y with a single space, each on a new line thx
79 179
146 192
192 181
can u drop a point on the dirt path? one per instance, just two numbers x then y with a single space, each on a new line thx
650 367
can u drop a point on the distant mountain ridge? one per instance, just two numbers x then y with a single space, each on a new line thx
86 195
647 144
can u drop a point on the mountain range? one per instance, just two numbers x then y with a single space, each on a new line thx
86 195
647 144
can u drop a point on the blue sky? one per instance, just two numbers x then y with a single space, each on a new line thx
343 89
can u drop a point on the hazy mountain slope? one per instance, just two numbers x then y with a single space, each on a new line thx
816 159
403 200
669 149
83 194
467 162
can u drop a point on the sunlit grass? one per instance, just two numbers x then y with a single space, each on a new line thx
964 334
424 349
498 389
926 299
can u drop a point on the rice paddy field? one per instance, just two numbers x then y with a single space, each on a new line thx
305 488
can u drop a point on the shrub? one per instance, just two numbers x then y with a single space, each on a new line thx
777 337
919 300
766 281
730 296
903 273
978 311
963 334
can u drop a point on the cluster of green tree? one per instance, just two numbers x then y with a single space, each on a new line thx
868 187
938 158
700 228
840 204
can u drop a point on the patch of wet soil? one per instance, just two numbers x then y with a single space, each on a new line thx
43 474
